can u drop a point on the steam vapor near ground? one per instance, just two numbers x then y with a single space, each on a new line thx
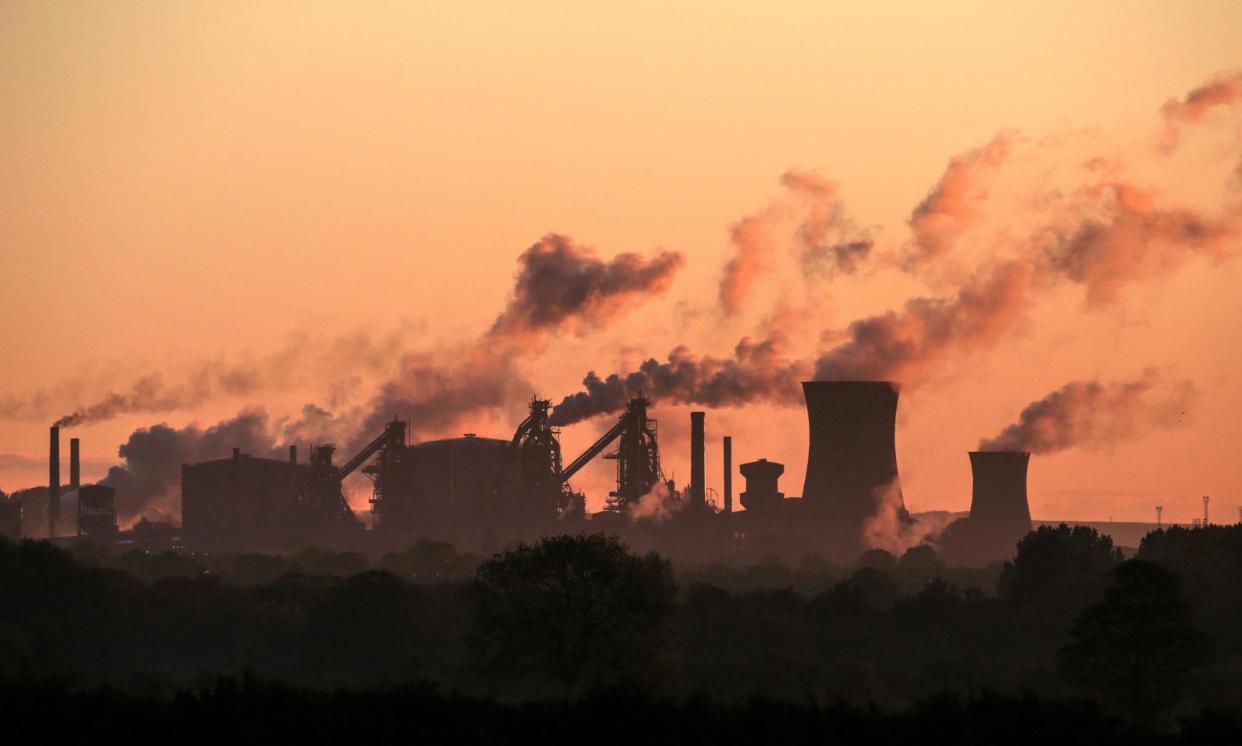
1091 413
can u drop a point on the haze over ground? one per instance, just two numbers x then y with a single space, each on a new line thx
187 187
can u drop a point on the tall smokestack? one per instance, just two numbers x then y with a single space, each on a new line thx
53 483
75 470
852 458
698 492
728 474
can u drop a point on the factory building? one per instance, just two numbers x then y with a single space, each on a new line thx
241 501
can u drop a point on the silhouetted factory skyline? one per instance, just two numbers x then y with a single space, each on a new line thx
484 493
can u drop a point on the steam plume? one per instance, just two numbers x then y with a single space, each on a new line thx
903 345
303 360
1114 232
828 241
1092 413
951 207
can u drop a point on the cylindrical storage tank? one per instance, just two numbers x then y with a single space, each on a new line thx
851 459
998 498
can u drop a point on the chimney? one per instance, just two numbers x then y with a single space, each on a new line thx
75 471
697 491
851 457
293 455
53 483
728 474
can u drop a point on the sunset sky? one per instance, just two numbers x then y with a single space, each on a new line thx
320 192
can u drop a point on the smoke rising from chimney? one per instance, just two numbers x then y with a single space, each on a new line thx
903 345
758 371
302 361
1091 413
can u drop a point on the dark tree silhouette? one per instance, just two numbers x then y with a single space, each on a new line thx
1135 646
1063 561
576 608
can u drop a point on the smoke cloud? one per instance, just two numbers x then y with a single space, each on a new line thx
903 345
1113 233
151 474
1223 90
827 240
561 285
952 206
303 361
1090 413
758 371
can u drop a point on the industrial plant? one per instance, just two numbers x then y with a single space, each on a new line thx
482 494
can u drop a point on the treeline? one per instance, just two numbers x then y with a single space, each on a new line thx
1149 640
245 709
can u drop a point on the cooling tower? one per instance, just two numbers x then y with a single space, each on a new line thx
998 498
852 460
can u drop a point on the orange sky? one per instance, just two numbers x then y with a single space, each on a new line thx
197 181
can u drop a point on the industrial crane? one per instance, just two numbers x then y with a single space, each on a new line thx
637 455
323 490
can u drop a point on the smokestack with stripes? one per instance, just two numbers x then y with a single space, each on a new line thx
852 458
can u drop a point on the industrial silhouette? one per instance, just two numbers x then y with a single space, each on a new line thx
481 493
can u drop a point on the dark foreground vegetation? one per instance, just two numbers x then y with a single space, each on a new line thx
576 637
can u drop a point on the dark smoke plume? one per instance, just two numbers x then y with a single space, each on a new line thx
560 285
758 371
1091 413
903 345
153 457
1224 90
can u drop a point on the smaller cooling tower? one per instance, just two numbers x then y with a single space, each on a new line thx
998 498
999 513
